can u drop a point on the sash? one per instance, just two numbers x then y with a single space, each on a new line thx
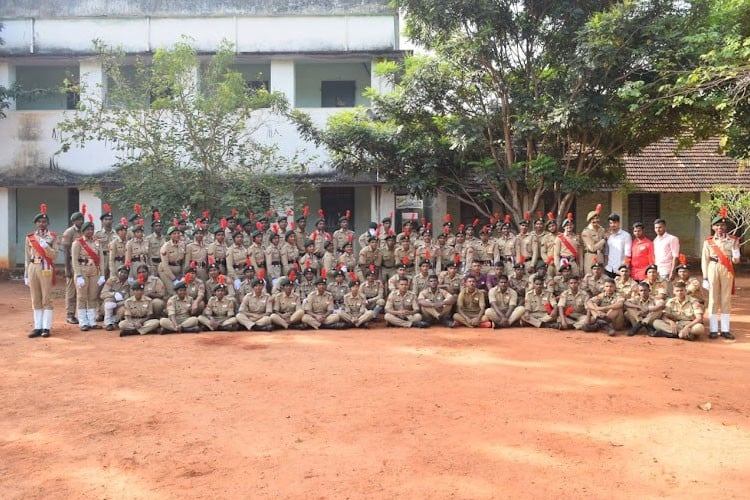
570 247
94 255
723 259
38 247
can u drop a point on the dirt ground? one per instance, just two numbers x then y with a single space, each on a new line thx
383 413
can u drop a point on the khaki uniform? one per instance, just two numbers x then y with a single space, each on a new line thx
573 307
154 289
300 240
118 250
339 291
507 249
408 257
229 293
155 242
273 262
137 252
341 237
218 313
720 279
486 254
451 284
393 283
387 262
89 268
198 253
539 308
369 257
355 310
138 315
38 270
113 306
319 239
319 307
635 316
527 246
196 292
258 256
219 253
547 251
373 292
470 307
236 261
255 310
626 288
398 303
104 238
419 283
592 284
309 260
305 287
432 313
289 256
68 236
593 242
506 302
560 251
170 267
179 311
347 261
329 262
615 316
682 313
287 309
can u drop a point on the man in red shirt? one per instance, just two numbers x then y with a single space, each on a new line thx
641 253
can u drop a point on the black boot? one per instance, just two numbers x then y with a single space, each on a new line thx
127 333
36 332
635 329
727 335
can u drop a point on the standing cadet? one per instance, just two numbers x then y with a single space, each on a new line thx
197 252
593 239
369 258
547 245
526 245
237 259
136 250
567 246
138 313
300 231
104 236
69 235
118 246
289 252
86 256
217 249
343 233
172 258
39 271
720 252
155 241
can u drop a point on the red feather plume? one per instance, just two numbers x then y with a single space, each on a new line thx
175 222
448 218
262 274
427 254
221 279
91 217
405 260
539 214
569 216
568 311
292 275
598 208
259 226
289 213
321 213
550 216
306 210
475 223
107 209
723 212
140 222
314 236
184 215
492 220
372 267
348 214
291 225
248 262
137 208
43 208
423 221
268 213
156 215
211 260
352 276
141 279
429 226
188 278
350 237
123 221
127 263
457 258
507 218
83 209
446 229
323 273
224 223
460 228
683 259
522 259
526 215
308 264
275 228
235 212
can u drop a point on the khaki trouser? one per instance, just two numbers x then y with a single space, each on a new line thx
249 320
433 314
147 326
40 284
406 322
285 319
697 330
615 316
190 322
88 295
311 321
515 315
577 320
356 321
720 293
633 318
537 318
466 319
71 293
223 322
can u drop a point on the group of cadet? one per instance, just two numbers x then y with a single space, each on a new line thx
273 273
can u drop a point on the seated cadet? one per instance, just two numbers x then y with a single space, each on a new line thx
369 258
138 313
419 282
625 285
559 283
307 283
153 288
256 308
114 292
539 272
504 310
219 313
287 307
450 280
682 317
402 309
246 283
347 260
308 259
642 310
339 288
214 271
393 283
604 311
372 289
319 307
329 259
659 287
480 279
471 305
593 282
571 306
436 304
540 305
196 291
693 285
354 311
179 318
518 281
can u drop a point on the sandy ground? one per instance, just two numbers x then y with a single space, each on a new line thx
382 413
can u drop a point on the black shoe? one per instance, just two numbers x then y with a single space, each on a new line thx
191 329
589 328
660 334
45 332
85 328
635 329
96 327
36 332
72 320
421 324
727 335
713 335
127 333
611 332
109 328
551 324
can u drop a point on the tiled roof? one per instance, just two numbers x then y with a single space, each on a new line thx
661 169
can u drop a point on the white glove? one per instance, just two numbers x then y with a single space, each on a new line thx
372 232
344 268
26 280
706 284
110 305
131 280
237 283
100 281
80 282
43 243
175 282
118 296
735 253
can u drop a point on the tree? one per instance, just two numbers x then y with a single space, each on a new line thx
520 105
4 92
736 202
184 133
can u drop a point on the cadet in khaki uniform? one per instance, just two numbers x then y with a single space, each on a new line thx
682 317
113 295
354 311
289 252
40 251
155 241
471 305
172 258
692 284
347 261
219 311
196 291
720 253
567 246
421 279
526 245
449 280
301 234
339 288
306 284
507 247
118 246
406 255
256 308
593 282
319 307
179 319
625 285
215 278
604 311
547 244
400 274
571 306
69 235
486 251
388 258
402 308
153 288
218 250
343 234
436 304
237 259
86 255
138 313
642 309
197 252
541 306
105 235
287 307
246 285
256 252
136 251
273 258
504 310
369 258
374 292
593 239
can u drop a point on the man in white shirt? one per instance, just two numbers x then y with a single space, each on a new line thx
619 245
666 250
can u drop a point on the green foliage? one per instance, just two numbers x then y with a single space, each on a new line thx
737 204
184 133
524 103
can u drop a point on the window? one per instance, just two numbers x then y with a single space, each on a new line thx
335 201
337 94
72 99
643 207
255 85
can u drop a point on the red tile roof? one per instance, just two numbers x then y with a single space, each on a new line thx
661 169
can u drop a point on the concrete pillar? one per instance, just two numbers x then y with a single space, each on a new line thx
436 211
7 79
618 206
702 222
93 81
283 79
8 223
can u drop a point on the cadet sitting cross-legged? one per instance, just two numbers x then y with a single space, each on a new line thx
138 312
354 311
179 318
319 306
287 306
256 308
219 313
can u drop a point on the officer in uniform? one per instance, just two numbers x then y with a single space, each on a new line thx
118 246
343 233
402 308
86 256
526 245
172 259
721 252
197 252
256 308
217 249
219 311
503 310
369 258
571 306
682 317
137 251
40 251
289 252
436 304
155 241
567 246
113 294
339 288
547 244
105 235
593 239
179 318
153 288
319 307
287 307
69 235
138 313
421 279
354 311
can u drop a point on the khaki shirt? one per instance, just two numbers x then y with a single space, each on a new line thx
198 253
576 303
81 258
180 309
114 285
625 288
419 283
338 291
593 285
253 304
450 284
155 242
216 308
171 255
286 304
503 300
138 309
437 296
687 310
236 257
341 237
543 302
398 302
368 257
136 251
154 288
50 252
372 290
355 306
117 252
317 303
471 303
